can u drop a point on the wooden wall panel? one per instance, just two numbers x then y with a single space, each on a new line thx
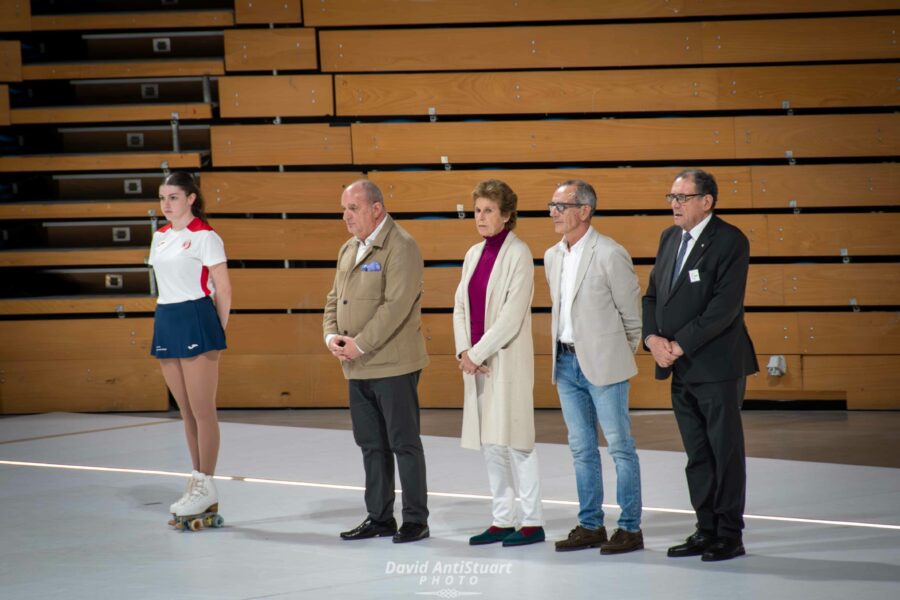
182 19
534 47
796 40
542 141
4 105
817 136
55 163
266 380
108 114
860 234
294 144
774 333
110 305
269 192
538 92
192 67
809 86
15 15
849 333
636 188
268 49
411 12
617 189
839 285
871 382
444 239
276 96
10 60
617 91
73 258
267 11
82 385
73 209
832 185
64 339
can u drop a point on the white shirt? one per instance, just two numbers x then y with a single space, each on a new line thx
181 259
364 245
571 260
695 235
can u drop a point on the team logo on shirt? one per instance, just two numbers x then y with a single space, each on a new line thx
186 244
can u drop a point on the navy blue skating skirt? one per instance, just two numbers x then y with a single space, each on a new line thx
186 329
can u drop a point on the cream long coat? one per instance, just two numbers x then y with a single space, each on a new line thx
506 348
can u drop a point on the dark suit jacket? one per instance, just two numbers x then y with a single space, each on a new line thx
705 317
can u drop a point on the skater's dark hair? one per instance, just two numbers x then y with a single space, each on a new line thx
187 183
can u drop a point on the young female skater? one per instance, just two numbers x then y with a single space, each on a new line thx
188 258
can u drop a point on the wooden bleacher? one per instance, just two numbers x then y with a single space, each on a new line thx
613 45
792 106
617 91
267 11
270 49
414 12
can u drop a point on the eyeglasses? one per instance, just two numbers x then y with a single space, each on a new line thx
680 198
562 206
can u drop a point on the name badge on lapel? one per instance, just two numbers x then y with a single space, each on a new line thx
694 274
372 266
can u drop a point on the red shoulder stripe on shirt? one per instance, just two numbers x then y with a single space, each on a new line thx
198 225
164 228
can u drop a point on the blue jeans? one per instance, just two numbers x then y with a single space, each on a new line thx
583 404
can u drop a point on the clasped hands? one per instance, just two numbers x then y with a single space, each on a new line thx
343 347
468 367
665 352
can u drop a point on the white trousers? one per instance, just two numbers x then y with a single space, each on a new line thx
510 471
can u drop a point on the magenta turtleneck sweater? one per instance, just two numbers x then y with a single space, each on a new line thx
479 282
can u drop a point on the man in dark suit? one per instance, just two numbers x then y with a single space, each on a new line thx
693 324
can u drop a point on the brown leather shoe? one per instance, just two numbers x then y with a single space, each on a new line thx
623 541
581 538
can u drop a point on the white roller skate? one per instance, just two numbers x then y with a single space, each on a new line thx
201 507
190 485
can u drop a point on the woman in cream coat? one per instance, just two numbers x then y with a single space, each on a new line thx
492 329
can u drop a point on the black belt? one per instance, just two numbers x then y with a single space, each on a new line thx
564 347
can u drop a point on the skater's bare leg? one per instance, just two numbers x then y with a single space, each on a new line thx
172 373
201 379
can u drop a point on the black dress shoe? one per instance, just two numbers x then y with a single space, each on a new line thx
695 545
411 532
371 528
724 549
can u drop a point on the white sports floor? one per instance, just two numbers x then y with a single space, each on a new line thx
84 499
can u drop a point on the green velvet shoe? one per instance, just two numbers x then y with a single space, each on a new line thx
525 536
492 535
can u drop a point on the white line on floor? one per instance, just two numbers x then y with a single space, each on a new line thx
331 486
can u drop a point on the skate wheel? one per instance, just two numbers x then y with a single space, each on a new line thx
173 523
196 525
217 521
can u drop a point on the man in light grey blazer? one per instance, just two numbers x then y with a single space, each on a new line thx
596 328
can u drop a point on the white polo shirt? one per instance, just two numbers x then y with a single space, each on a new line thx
181 260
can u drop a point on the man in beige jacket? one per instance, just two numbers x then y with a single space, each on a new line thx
373 326
596 328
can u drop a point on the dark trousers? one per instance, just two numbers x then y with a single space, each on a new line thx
385 415
709 419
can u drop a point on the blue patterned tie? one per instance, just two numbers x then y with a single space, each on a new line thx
679 260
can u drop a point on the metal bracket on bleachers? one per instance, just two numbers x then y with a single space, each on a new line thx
164 165
789 155
845 255
176 143
445 160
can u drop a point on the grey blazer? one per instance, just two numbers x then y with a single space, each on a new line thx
606 309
